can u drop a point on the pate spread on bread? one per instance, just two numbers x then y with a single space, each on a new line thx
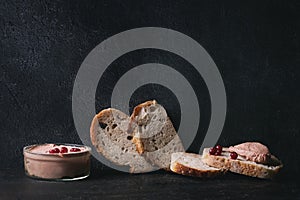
252 159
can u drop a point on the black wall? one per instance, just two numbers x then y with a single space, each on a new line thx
255 44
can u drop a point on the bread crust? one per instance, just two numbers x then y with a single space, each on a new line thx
138 108
188 171
244 167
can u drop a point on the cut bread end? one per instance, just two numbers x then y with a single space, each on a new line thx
191 164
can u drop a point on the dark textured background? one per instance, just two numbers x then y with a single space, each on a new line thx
255 44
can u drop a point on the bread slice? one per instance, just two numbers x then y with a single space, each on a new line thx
191 164
109 135
154 134
240 165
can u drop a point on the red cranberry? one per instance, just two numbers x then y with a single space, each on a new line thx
233 155
51 151
64 150
212 151
219 147
74 150
55 150
218 152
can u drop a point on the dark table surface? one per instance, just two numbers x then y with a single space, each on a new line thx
255 45
109 184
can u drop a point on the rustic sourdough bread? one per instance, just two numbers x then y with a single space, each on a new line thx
191 164
109 135
154 134
240 165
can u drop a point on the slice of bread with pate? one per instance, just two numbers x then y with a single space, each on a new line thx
247 160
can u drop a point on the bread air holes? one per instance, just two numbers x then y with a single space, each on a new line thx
114 126
129 137
124 149
116 140
102 125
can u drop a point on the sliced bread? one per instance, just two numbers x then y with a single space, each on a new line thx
240 165
109 135
154 134
191 164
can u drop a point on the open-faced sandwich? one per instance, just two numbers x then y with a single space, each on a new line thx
249 158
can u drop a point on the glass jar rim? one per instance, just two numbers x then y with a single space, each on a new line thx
27 149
